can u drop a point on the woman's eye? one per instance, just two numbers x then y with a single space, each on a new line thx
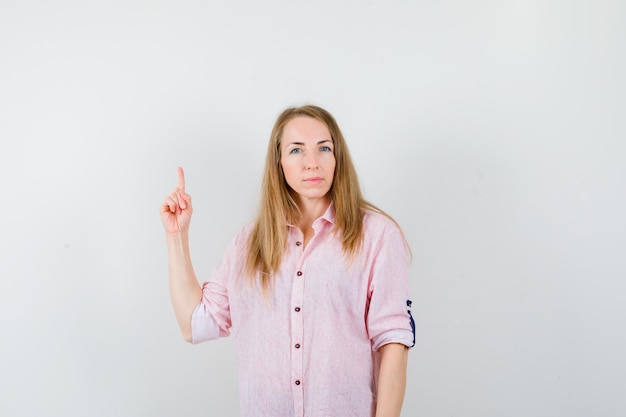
326 149
294 151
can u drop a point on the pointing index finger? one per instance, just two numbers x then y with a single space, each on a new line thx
181 179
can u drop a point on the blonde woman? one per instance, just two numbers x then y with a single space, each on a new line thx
315 291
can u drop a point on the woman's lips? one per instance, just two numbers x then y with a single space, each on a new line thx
313 180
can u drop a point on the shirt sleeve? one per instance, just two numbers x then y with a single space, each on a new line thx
389 317
211 318
203 325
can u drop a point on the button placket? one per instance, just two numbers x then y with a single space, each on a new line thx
297 334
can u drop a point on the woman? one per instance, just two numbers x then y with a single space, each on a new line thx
314 291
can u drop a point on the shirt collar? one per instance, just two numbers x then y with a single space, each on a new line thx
328 216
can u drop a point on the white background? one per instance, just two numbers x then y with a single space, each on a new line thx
493 131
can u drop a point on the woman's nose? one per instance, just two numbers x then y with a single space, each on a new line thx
310 160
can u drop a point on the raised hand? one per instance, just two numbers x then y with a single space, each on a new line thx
176 208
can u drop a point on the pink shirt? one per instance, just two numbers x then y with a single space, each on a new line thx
309 350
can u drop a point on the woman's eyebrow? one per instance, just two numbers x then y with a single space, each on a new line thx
302 143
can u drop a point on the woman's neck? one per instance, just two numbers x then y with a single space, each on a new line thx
310 210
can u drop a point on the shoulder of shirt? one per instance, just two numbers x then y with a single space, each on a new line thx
378 223
240 239
246 230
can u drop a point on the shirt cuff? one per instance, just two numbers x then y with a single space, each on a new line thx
203 325
402 336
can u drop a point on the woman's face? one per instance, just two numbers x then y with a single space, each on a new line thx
307 157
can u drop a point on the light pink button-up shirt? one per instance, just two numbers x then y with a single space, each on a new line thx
309 350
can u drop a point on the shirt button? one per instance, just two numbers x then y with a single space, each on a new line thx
297 345
297 309
298 243
297 382
299 273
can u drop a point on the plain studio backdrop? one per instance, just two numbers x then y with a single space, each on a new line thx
493 131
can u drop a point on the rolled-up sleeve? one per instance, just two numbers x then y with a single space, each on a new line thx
211 319
203 326
389 318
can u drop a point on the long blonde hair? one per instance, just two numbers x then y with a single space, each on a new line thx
278 207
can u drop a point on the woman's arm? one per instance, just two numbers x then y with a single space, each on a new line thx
185 290
391 379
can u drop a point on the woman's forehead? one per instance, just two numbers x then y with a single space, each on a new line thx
305 128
